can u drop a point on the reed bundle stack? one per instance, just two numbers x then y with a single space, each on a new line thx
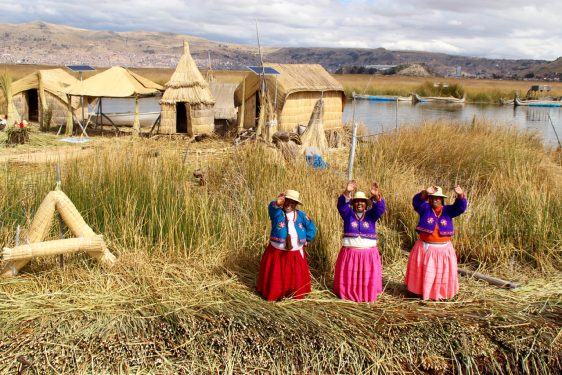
56 247
93 244
314 135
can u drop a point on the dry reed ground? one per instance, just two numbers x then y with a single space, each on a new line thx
181 298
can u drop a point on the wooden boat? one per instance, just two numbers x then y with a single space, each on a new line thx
538 102
382 98
437 99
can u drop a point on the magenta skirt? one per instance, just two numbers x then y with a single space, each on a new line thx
358 274
432 273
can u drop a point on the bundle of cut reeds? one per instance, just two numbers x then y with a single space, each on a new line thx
56 247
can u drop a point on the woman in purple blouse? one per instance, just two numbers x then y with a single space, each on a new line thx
358 275
431 272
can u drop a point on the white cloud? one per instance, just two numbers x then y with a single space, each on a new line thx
501 28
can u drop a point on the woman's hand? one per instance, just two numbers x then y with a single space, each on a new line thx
459 191
351 185
280 200
425 193
375 192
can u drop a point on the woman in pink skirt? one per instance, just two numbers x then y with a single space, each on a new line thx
284 269
358 275
432 265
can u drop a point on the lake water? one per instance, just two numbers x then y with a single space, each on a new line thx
384 116
381 117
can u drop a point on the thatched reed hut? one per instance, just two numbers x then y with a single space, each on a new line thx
187 104
224 111
116 82
293 94
41 96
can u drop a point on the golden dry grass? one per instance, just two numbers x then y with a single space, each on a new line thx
181 298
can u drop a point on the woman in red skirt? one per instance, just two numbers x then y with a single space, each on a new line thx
432 265
284 269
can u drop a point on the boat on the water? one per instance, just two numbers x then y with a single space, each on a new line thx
437 99
382 98
538 102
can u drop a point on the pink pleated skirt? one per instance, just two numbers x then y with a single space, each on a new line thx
432 272
358 275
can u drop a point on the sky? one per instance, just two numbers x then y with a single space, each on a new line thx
510 29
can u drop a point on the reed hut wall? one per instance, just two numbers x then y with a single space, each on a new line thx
299 107
250 116
294 93
58 107
168 118
45 87
200 118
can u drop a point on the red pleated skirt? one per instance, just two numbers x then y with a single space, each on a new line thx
283 274
358 275
432 273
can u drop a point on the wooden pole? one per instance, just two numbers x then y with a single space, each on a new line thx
489 279
242 116
353 144
69 122
136 121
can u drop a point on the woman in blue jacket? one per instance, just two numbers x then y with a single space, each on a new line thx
284 269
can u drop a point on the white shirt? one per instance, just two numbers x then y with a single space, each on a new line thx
292 233
358 242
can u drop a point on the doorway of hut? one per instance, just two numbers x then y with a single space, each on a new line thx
258 107
181 118
32 105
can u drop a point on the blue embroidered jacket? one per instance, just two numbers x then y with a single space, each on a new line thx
444 221
306 230
364 227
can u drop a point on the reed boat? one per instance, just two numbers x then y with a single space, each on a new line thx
382 98
538 102
437 99
146 119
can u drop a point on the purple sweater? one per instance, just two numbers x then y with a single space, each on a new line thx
364 227
444 221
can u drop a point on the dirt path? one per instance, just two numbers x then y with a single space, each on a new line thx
46 155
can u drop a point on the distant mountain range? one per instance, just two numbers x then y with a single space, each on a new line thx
43 43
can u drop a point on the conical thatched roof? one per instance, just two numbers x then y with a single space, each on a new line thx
187 83
116 82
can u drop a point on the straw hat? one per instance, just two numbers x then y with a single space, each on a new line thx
438 192
359 195
293 195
